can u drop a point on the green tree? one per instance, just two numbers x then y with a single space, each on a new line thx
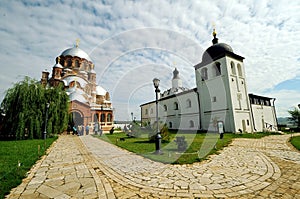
295 116
25 106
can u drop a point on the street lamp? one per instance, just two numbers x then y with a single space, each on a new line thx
46 118
131 116
158 136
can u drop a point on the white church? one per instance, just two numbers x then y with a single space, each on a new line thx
220 97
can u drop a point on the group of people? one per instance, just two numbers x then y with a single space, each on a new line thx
78 130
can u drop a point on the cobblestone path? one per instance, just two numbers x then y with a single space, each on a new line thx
87 167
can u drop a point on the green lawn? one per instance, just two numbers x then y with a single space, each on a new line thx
16 158
296 142
200 146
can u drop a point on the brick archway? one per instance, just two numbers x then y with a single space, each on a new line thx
77 118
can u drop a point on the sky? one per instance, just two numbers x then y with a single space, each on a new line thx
132 42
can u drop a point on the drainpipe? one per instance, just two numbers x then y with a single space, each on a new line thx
275 113
252 117
199 106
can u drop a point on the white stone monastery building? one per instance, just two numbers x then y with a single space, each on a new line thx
220 96
90 104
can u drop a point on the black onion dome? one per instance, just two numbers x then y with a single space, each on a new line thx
215 51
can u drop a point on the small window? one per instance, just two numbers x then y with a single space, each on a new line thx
240 72
204 74
109 117
69 62
165 107
217 68
248 123
77 64
151 110
96 117
191 124
170 125
189 103
233 68
146 112
175 106
214 99
102 117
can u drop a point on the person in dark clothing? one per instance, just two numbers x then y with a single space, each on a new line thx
111 131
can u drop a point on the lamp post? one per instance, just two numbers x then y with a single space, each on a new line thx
46 119
158 136
131 116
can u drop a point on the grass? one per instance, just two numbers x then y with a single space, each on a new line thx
200 146
16 159
295 141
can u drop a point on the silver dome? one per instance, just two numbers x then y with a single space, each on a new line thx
75 51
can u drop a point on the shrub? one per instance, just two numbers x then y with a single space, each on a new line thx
164 132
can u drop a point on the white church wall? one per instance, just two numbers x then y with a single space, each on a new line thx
239 96
264 117
148 113
181 111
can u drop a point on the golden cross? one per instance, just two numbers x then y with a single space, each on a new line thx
214 29
77 42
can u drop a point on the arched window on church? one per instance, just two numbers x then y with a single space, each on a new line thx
239 68
76 63
165 107
146 112
95 117
175 106
217 69
151 110
109 117
232 68
191 124
170 125
69 63
103 117
204 74
188 103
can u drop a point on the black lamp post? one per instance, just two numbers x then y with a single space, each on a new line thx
46 119
131 116
158 136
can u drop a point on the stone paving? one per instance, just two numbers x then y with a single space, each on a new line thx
87 167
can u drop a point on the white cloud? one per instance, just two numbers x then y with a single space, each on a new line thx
265 32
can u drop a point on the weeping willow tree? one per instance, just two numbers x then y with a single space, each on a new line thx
24 108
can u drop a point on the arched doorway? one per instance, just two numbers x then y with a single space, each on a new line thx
76 119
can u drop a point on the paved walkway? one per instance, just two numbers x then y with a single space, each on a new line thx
87 167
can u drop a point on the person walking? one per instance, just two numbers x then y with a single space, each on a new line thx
87 128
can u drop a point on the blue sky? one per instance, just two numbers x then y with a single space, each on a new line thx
131 42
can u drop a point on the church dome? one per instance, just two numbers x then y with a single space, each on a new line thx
217 50
100 91
75 51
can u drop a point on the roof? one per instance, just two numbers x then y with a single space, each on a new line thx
76 52
100 91
217 51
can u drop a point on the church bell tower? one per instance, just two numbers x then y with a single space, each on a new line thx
221 84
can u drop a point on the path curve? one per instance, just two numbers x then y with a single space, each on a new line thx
86 167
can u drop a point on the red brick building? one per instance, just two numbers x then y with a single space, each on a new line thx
89 103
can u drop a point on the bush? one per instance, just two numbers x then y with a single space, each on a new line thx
135 130
164 132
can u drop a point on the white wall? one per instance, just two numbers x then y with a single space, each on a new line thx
184 118
263 114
